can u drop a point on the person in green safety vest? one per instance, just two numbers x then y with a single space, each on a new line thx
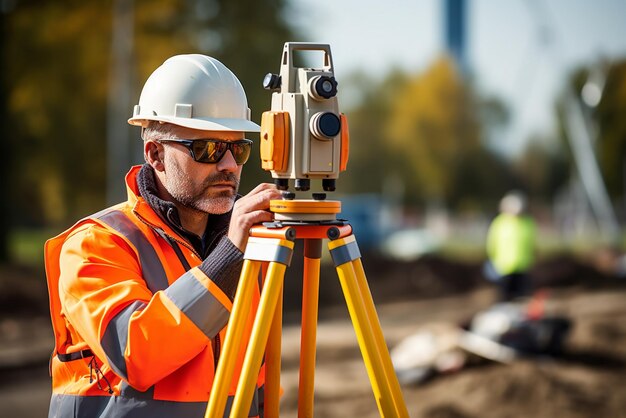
511 247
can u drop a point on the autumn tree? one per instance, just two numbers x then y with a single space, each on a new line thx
435 128
372 161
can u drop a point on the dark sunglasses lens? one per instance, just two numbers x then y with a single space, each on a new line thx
241 152
212 151
208 151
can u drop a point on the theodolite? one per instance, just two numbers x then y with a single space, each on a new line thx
304 136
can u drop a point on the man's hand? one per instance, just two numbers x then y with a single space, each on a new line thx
250 210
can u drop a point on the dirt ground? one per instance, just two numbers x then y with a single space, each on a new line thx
587 380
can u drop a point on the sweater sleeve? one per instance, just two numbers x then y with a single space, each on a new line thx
223 266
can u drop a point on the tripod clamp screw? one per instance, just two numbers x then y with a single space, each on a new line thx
333 233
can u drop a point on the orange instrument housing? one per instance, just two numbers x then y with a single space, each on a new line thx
345 143
275 141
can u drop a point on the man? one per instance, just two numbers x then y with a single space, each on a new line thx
511 247
140 293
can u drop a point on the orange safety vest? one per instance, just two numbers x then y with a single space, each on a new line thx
136 333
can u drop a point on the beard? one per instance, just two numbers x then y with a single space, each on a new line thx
196 194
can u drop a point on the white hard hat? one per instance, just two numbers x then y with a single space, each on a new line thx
513 203
195 91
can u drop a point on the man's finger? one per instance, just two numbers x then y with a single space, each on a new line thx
259 200
263 186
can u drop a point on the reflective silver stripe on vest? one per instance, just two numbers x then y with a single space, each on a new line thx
62 406
115 338
151 267
198 304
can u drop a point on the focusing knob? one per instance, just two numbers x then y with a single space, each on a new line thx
322 87
271 81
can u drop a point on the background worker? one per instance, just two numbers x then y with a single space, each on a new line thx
140 293
511 247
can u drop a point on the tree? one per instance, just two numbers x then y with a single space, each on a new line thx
371 161
56 107
428 131
435 127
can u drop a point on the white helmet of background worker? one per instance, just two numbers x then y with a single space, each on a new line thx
195 91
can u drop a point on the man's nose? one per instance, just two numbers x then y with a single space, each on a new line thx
227 163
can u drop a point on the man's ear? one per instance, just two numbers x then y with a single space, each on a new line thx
153 153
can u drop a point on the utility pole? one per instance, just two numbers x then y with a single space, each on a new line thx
581 139
119 156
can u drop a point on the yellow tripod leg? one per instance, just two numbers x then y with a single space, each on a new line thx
278 253
273 360
367 343
308 337
233 340
344 251
381 345
258 340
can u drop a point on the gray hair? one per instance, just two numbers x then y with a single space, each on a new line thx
156 131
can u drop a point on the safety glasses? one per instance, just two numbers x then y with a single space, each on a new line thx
212 151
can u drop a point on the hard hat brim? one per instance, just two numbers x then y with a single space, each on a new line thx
213 124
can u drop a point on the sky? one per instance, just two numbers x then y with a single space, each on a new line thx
520 51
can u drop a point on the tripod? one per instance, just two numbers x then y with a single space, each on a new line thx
270 247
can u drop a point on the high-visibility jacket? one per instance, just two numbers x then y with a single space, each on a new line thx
136 333
511 243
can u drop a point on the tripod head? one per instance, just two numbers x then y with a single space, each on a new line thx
304 136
